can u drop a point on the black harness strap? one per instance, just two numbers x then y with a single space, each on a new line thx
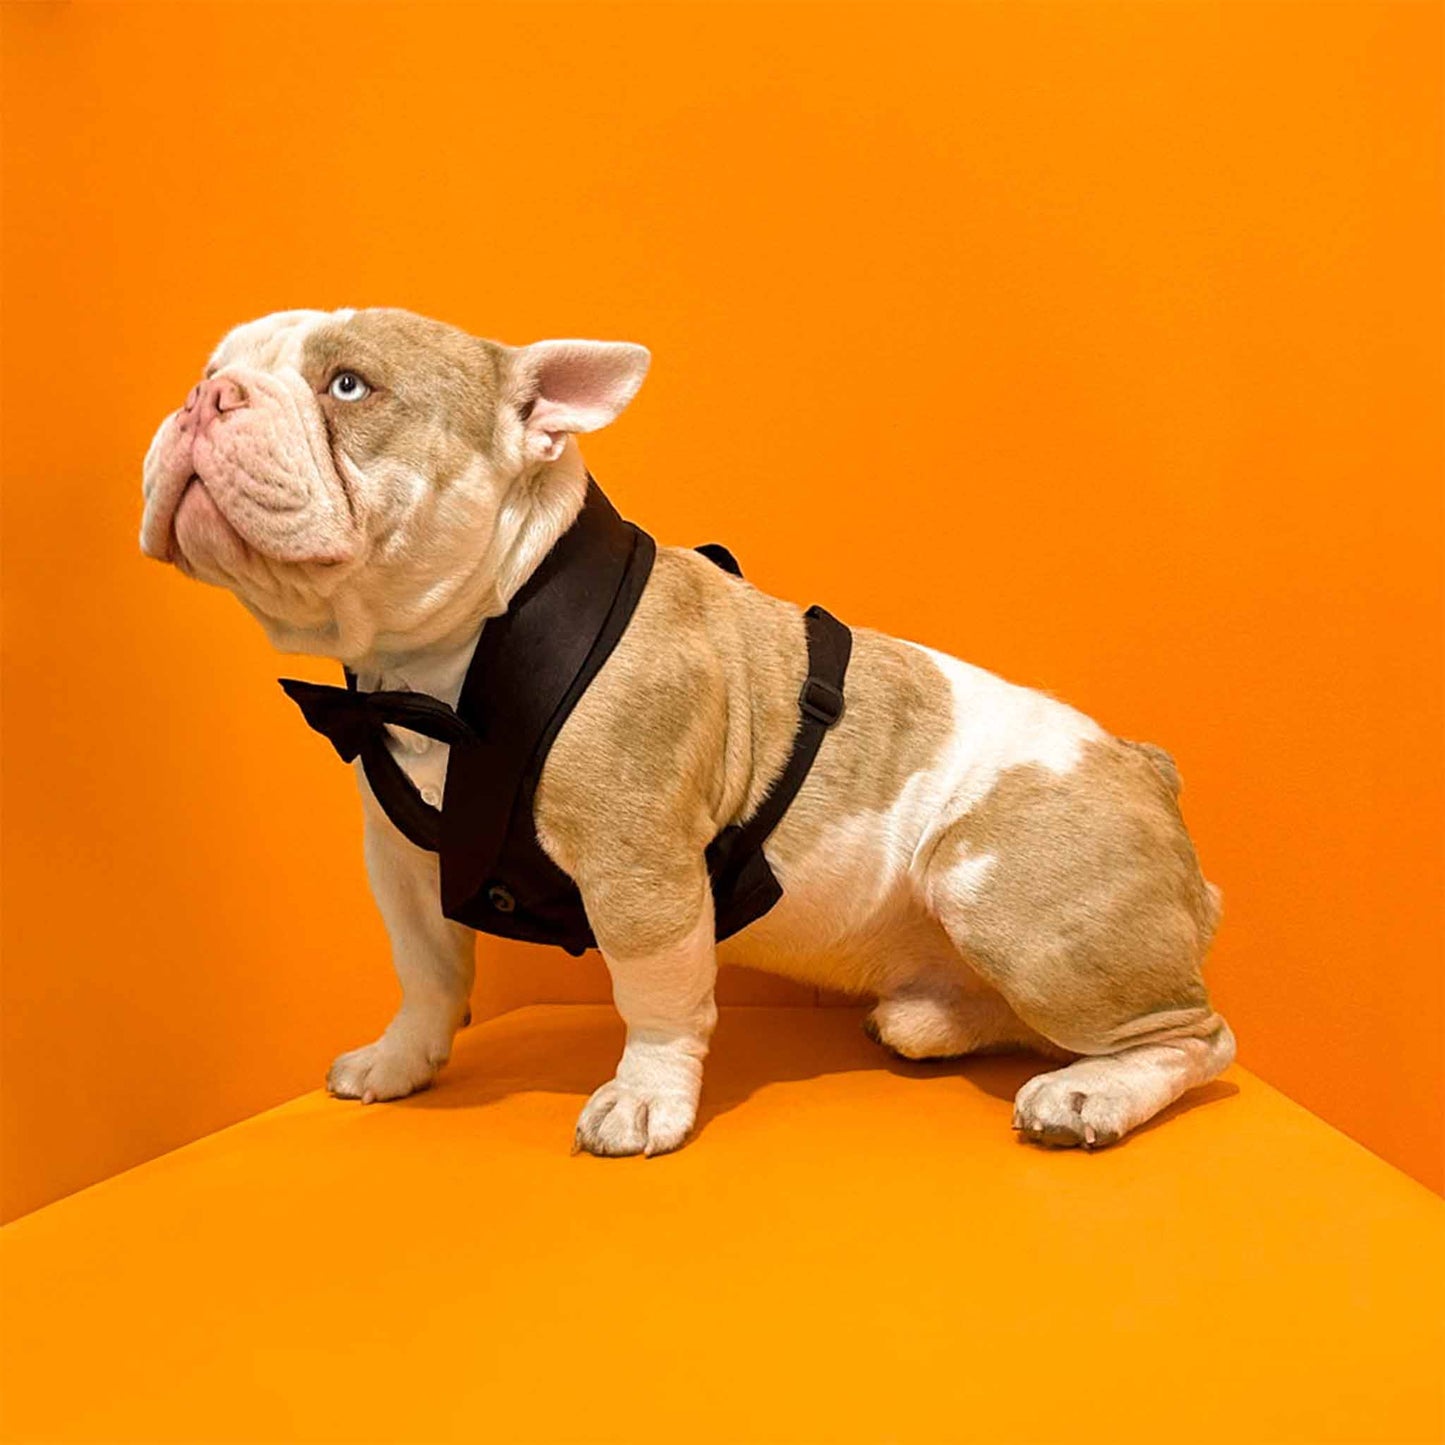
530 666
719 556
744 886
820 702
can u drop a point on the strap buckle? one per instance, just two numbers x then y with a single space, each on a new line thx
821 701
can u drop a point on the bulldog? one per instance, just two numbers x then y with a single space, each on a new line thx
990 867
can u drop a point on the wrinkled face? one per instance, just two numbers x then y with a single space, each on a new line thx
335 464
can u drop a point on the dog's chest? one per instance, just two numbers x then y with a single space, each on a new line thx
423 759
424 762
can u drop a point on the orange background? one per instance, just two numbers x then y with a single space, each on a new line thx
1098 344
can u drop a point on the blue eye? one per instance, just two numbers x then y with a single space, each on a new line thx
348 386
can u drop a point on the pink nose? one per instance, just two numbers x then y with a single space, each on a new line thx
209 398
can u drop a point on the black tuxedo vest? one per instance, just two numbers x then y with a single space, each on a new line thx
530 667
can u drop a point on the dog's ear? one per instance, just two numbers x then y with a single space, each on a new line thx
573 386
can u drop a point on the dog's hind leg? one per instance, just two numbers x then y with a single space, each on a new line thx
938 1018
1096 1101
1077 895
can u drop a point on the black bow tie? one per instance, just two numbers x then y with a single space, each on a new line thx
354 723
350 719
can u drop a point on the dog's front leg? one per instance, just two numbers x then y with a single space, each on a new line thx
434 962
662 983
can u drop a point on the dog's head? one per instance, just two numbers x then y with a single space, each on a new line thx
364 478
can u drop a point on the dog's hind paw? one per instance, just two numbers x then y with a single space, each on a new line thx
1054 1111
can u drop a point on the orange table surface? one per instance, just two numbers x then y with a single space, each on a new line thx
848 1249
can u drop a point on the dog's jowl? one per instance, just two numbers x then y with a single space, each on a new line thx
566 733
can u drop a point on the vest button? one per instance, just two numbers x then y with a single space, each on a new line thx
500 899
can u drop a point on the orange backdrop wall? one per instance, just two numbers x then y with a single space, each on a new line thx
1096 343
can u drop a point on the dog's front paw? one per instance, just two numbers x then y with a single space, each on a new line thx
625 1119
383 1070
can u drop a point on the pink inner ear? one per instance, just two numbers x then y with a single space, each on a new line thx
582 385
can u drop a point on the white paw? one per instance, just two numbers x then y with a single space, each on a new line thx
1067 1108
383 1070
624 1119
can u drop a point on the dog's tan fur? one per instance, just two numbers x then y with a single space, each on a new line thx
1094 917
434 387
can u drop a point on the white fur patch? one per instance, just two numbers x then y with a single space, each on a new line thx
999 725
272 342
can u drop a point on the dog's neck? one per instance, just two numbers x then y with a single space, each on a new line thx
538 510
